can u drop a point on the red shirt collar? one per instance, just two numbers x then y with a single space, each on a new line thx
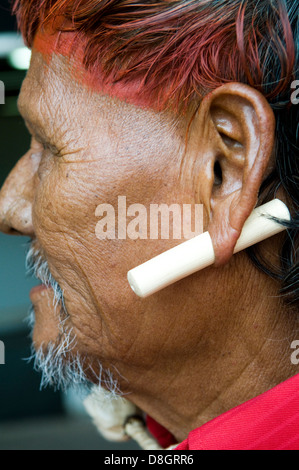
268 422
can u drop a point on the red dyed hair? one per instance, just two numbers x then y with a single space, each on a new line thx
179 50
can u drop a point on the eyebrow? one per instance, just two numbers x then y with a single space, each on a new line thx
25 113
23 110
34 125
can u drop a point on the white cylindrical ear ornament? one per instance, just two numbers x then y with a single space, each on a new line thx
198 252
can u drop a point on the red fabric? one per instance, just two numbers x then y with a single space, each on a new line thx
161 434
267 422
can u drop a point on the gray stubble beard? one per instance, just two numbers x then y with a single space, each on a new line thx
61 367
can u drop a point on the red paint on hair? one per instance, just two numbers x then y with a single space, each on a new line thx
72 46
176 50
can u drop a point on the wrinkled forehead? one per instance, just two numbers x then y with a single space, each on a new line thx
71 46
59 96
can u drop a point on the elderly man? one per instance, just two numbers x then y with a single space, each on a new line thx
185 102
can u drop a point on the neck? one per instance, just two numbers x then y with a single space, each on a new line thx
248 353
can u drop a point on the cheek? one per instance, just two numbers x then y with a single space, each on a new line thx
65 221
93 272
68 194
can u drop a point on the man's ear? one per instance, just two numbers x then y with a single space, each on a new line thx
233 133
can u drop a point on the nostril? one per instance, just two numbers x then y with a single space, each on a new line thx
16 218
14 228
9 230
14 232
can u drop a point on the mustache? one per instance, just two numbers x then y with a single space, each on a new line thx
37 266
61 367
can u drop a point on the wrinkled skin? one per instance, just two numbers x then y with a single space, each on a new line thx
185 354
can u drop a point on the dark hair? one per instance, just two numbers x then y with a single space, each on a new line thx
181 50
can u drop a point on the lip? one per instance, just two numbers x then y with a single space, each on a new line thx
37 291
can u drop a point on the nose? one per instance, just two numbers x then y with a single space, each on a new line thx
16 197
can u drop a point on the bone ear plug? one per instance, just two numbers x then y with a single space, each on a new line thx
198 252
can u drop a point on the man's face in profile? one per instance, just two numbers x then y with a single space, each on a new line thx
87 149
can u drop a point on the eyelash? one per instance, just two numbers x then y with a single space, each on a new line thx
47 147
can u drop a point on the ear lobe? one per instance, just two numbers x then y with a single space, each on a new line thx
236 127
